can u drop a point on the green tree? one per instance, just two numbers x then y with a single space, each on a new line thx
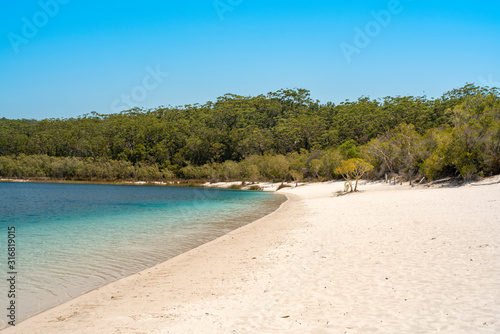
474 121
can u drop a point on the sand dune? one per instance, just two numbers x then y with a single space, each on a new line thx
389 259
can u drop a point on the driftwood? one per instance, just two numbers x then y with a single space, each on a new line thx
422 180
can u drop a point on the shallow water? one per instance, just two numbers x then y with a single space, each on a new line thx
73 238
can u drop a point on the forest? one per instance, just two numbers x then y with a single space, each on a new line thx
280 136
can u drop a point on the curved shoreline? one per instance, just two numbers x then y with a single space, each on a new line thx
93 294
389 259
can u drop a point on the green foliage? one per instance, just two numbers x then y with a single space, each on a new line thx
475 123
471 145
279 136
349 150
439 160
71 168
399 151
273 167
249 171
329 162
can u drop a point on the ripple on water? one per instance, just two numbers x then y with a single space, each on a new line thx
71 239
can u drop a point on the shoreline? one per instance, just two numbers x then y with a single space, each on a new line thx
167 248
260 185
94 294
229 185
318 263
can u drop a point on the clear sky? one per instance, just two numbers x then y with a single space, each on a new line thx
64 58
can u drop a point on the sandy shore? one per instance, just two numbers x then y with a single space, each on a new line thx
390 259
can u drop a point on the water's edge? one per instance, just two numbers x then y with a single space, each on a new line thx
285 197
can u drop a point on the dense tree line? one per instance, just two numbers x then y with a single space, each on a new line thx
278 136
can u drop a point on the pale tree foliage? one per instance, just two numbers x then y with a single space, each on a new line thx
383 152
409 142
316 165
353 170
250 172
398 151
296 176
271 167
230 170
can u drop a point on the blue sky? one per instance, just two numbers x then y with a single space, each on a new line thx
64 58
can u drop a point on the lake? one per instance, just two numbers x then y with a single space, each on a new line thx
73 238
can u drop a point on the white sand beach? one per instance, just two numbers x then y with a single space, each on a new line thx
388 259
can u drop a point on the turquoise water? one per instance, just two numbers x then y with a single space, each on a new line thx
73 238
